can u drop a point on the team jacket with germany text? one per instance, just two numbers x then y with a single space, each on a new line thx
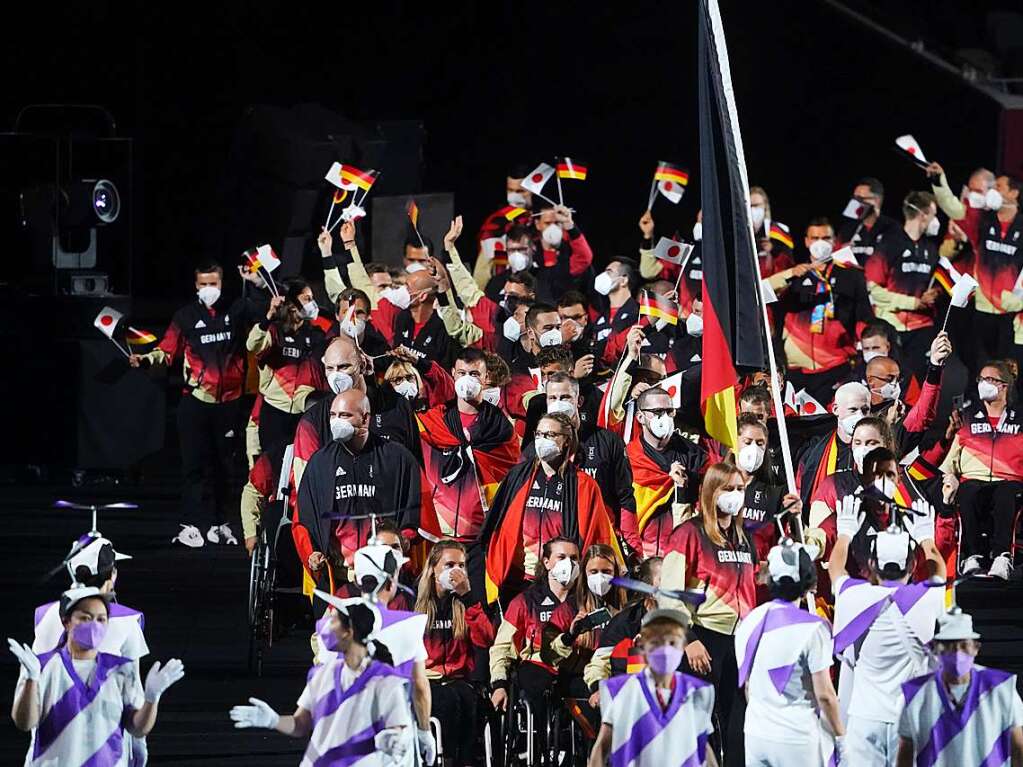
525 633
984 451
210 344
997 262
450 658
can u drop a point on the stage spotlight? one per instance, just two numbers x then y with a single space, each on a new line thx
90 202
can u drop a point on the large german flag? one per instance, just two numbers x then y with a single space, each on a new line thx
650 483
732 330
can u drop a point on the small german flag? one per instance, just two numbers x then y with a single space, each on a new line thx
658 307
780 233
136 337
945 275
413 214
353 177
573 169
921 470
666 171
510 212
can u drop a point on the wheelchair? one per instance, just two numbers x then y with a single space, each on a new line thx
274 573
560 738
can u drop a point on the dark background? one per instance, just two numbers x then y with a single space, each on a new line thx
820 101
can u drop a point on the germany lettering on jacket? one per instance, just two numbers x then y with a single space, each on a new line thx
911 266
1001 247
354 491
740 557
985 428
547 504
215 338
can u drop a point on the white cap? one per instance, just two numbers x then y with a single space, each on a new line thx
783 562
73 596
342 605
955 625
95 553
891 547
378 560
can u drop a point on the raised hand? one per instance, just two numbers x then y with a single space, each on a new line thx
160 678
849 518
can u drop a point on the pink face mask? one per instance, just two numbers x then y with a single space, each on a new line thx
89 635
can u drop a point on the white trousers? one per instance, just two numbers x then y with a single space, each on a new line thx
761 752
871 744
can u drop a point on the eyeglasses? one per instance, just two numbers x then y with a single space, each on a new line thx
992 380
659 411
550 434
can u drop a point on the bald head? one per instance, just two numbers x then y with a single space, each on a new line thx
341 349
419 282
352 405
882 367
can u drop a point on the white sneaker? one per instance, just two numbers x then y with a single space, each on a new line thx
971 565
1001 567
221 534
189 536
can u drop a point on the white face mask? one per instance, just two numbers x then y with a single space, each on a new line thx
517 199
310 310
820 250
561 406
885 486
750 458
988 392
208 295
848 423
512 329
661 426
546 449
859 454
757 213
468 387
353 328
993 199
407 389
697 231
976 199
890 391
933 227
552 235
694 325
599 583
604 283
868 356
339 381
492 395
444 580
731 502
565 571
341 430
550 337
398 296
414 267
519 261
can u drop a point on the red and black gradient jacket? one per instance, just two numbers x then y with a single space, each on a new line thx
863 239
726 574
211 345
525 633
616 651
997 263
898 272
984 451
428 341
289 362
560 269
846 290
450 658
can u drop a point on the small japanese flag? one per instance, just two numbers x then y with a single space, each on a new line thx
807 405
539 176
673 385
491 247
845 257
909 145
962 290
334 176
856 210
106 321
267 258
671 251
790 397
672 190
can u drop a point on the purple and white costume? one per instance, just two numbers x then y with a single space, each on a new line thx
977 731
401 632
124 635
82 706
779 647
646 734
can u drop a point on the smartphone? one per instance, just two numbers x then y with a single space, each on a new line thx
598 617
958 402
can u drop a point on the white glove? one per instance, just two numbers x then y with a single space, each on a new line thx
840 749
922 523
159 679
259 714
849 517
427 746
392 743
26 658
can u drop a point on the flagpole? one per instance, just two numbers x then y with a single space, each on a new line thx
121 349
721 52
557 176
653 194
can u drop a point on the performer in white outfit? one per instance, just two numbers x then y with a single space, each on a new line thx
882 626
354 708
658 716
785 655
963 713
77 701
